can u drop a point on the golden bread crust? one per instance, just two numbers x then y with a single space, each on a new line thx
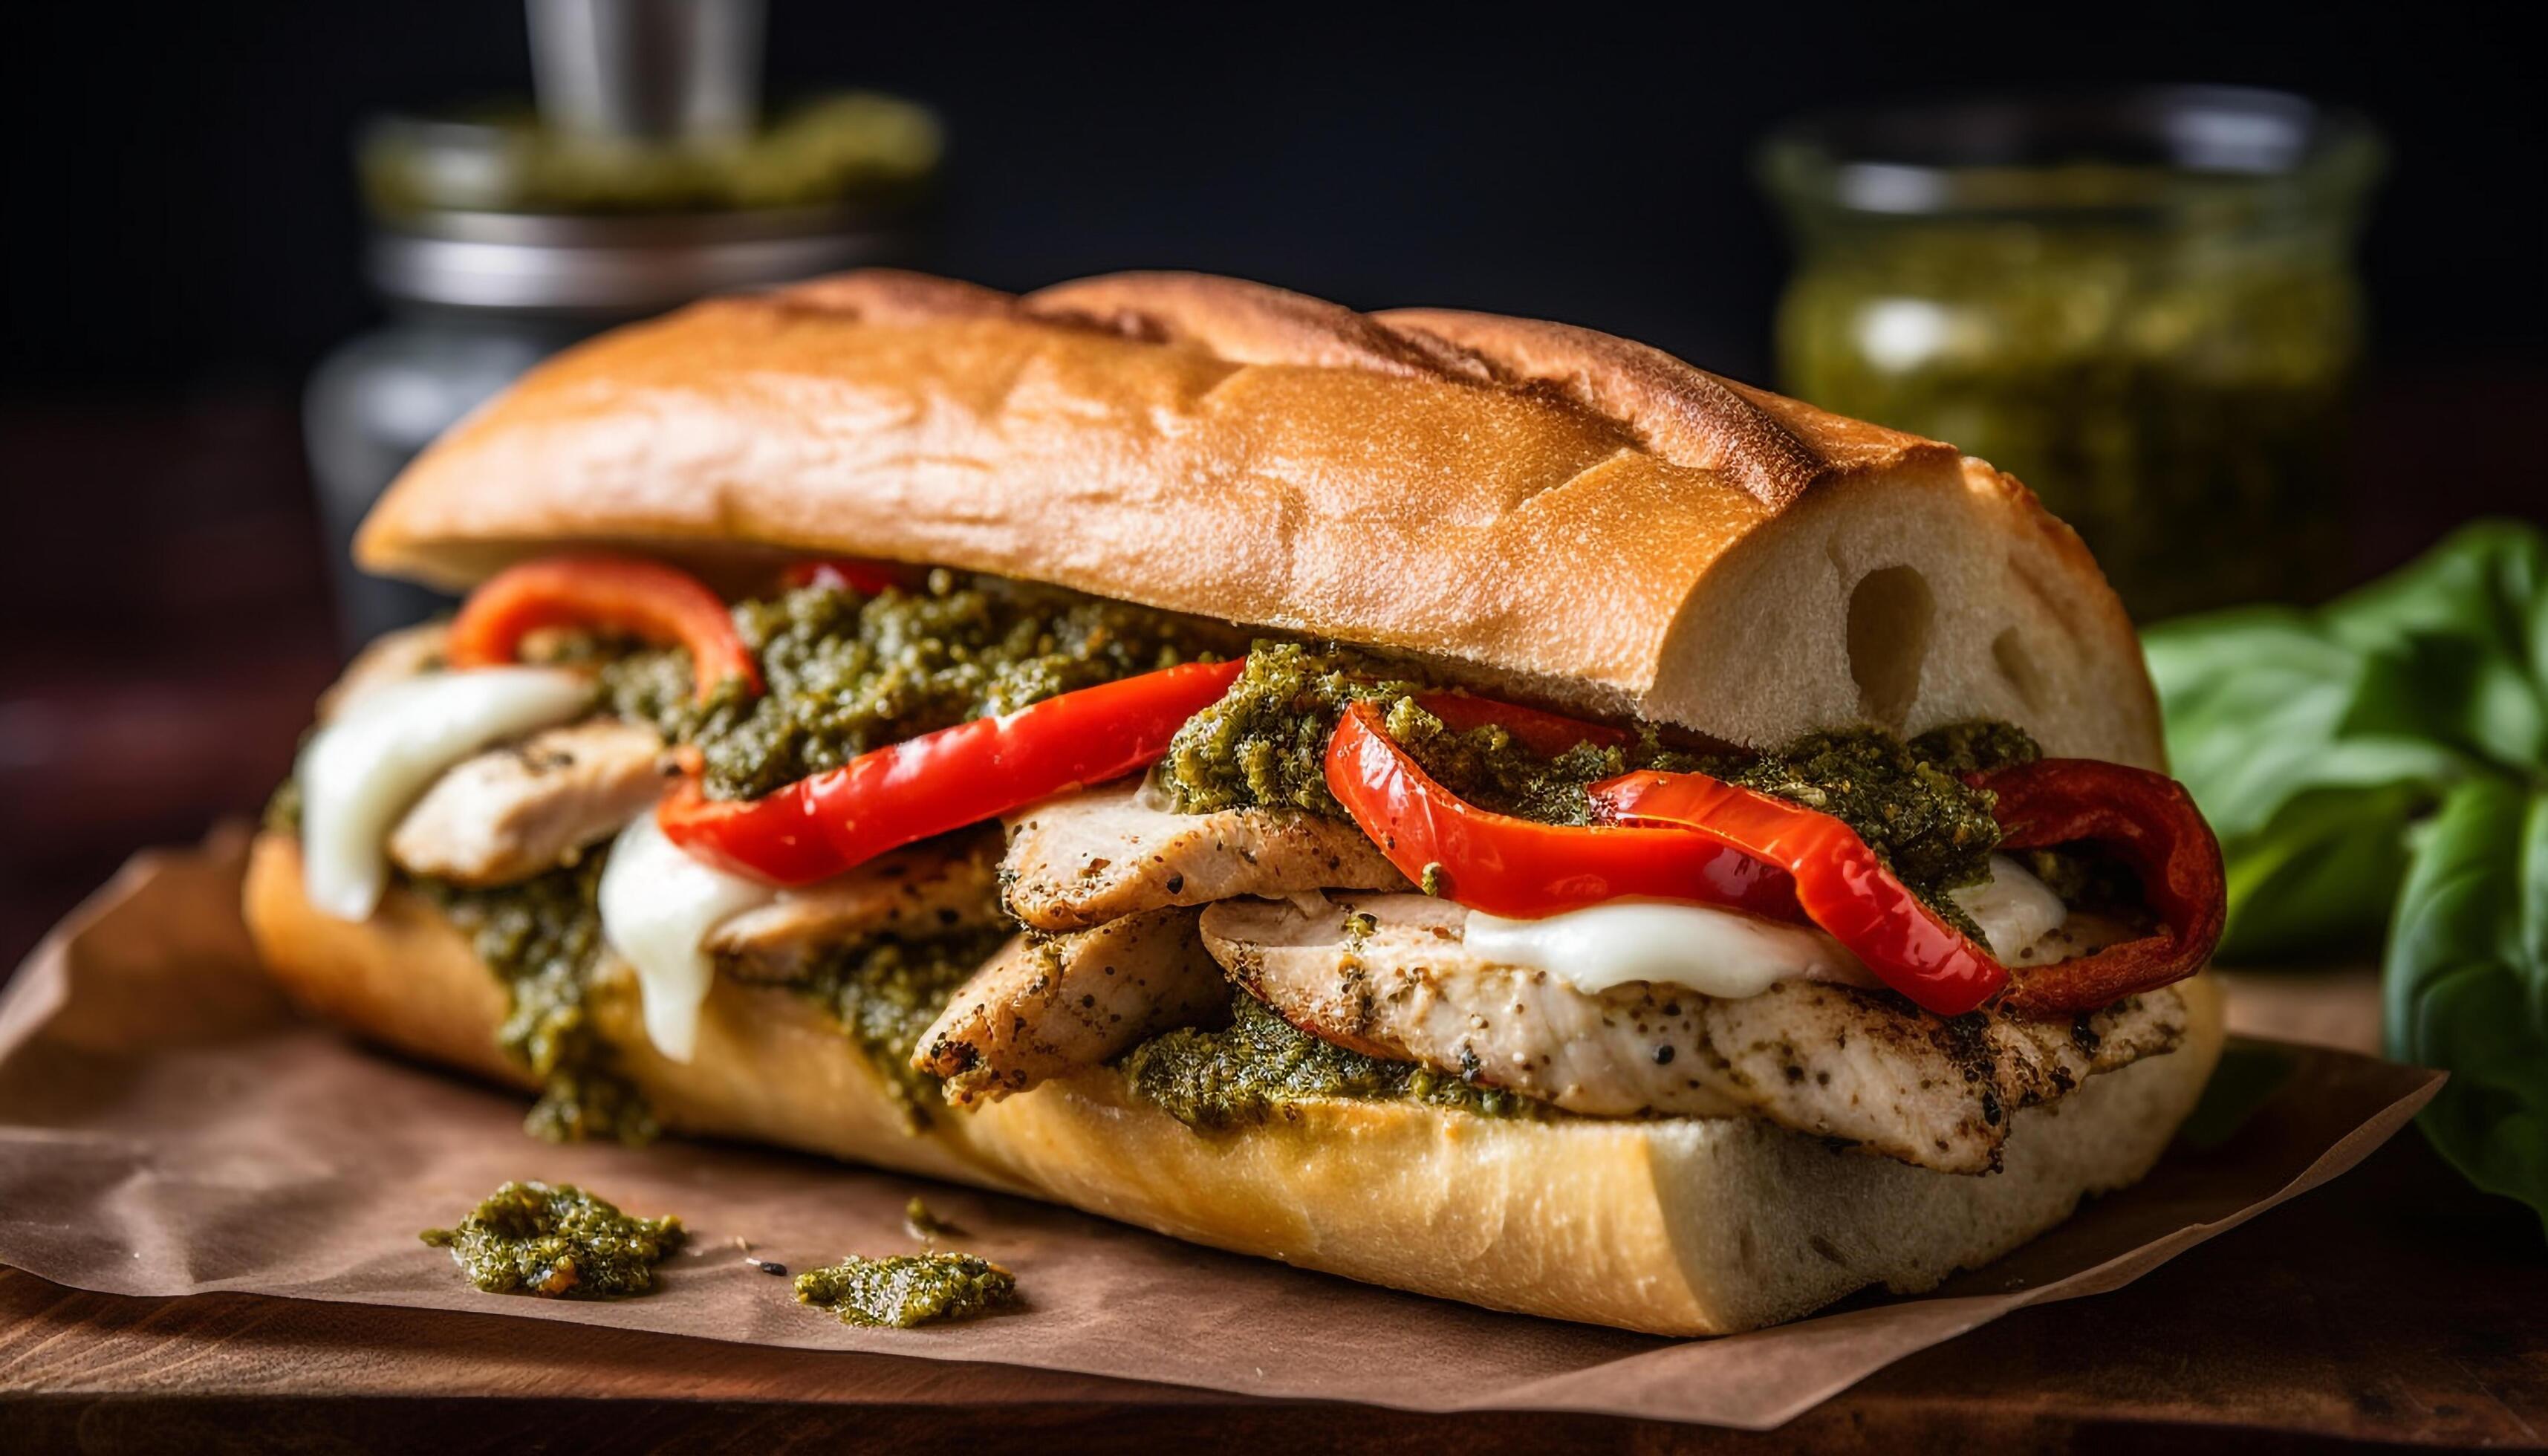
1546 508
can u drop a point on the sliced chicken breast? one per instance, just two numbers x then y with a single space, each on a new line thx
1049 1003
1391 976
928 889
526 808
1092 857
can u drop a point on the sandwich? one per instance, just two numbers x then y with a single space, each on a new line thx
1474 805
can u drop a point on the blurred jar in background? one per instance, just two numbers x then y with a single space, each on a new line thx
649 176
2143 305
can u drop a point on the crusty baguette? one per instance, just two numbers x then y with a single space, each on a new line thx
1689 1226
1541 507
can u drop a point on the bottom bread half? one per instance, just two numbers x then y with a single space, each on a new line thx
1686 1226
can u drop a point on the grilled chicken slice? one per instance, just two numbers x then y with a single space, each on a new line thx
1093 857
1049 1003
529 807
928 889
1391 976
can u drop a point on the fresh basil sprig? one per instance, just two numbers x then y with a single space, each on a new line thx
2467 984
2383 761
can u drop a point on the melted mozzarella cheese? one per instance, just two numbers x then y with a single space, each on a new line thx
1728 953
2013 908
658 906
387 745
1700 948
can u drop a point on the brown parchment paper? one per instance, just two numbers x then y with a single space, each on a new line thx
167 1127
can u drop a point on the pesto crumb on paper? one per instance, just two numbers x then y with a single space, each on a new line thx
907 1290
557 1242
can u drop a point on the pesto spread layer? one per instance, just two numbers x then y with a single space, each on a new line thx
847 672
543 938
886 992
1261 1068
908 1289
557 1242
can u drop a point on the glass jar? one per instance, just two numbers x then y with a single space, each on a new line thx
2143 305
497 242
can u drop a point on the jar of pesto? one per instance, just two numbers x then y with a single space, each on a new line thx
2143 305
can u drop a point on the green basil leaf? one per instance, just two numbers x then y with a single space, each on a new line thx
2315 740
2457 645
2250 698
2319 878
2264 714
2467 985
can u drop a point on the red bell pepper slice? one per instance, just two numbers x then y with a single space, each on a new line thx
1841 883
621 594
1509 865
849 573
2146 818
907 791
2148 821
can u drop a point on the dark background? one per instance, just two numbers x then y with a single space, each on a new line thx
182 241
194 221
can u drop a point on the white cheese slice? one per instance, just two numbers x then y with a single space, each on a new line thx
658 906
1729 953
1700 948
386 745
2014 909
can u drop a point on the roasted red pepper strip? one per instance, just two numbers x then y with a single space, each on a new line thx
2148 821
1842 885
850 573
621 594
1509 865
891 796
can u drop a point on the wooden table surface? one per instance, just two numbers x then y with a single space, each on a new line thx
2393 1306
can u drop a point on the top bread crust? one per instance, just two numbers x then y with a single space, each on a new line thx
1529 506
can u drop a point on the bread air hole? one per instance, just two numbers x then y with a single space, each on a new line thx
2017 665
1890 612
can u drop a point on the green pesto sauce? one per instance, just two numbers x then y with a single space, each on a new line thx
1261 1068
1262 743
908 1289
1489 767
1907 800
543 939
557 1242
886 992
847 672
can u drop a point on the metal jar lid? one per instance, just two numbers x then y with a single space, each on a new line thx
616 265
